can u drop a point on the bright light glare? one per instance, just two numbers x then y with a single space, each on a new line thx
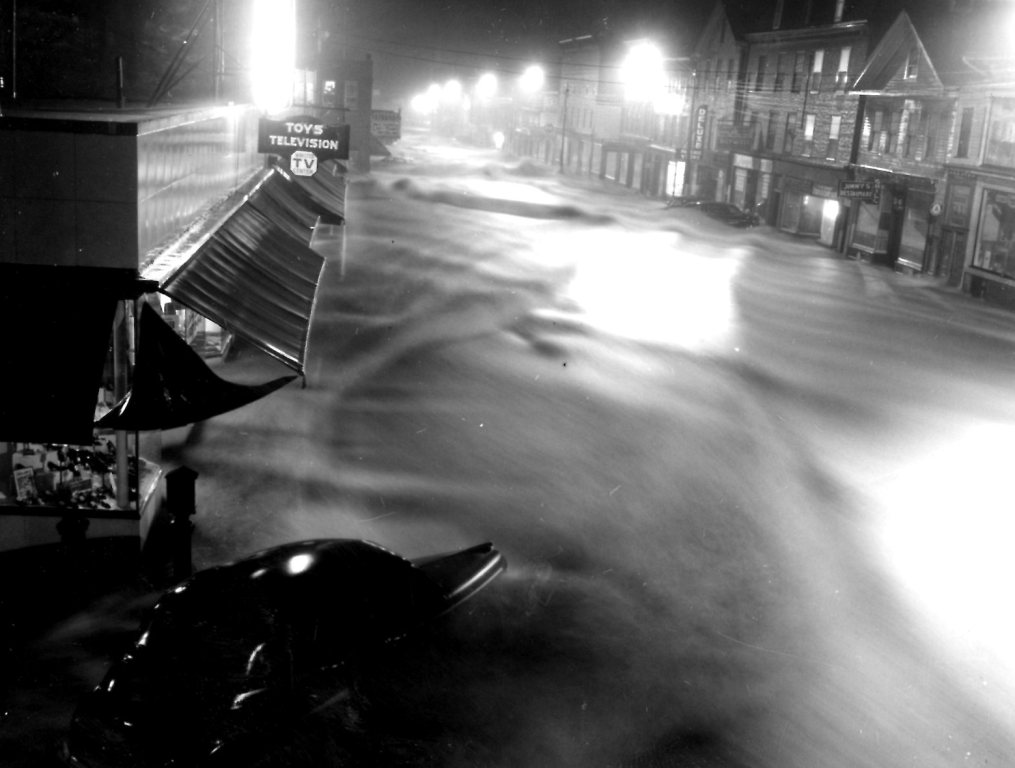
949 544
669 103
451 93
532 79
498 139
659 292
423 104
642 72
273 47
486 86
299 563
830 211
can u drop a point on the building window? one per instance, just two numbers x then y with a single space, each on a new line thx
790 135
839 7
965 131
759 79
809 121
912 70
782 65
773 119
832 152
842 73
799 69
817 64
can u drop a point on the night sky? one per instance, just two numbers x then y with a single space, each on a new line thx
415 42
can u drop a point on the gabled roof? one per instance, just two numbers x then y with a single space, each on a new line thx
959 43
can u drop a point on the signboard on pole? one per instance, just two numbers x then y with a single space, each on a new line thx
303 135
698 137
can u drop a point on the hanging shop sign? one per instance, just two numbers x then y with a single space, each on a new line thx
868 191
698 137
303 134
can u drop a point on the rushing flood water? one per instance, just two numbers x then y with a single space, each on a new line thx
750 493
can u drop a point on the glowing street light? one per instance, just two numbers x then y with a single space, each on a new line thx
486 86
273 45
642 72
532 79
451 93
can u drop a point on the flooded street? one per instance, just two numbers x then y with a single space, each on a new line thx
750 492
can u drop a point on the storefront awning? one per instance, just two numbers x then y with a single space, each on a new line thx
287 205
57 323
325 189
173 386
257 281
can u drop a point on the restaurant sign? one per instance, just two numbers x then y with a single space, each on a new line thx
868 191
303 134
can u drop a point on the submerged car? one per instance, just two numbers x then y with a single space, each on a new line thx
728 214
683 201
259 657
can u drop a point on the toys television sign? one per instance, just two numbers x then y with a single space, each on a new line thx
303 134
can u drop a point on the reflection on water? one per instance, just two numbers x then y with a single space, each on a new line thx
651 287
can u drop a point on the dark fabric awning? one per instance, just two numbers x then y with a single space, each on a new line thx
287 205
326 190
57 323
173 386
257 281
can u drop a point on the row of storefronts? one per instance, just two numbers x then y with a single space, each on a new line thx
136 246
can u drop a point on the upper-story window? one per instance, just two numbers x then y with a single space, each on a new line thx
809 122
912 70
773 120
799 70
1000 149
782 66
839 8
790 135
842 73
832 151
759 78
817 64
965 131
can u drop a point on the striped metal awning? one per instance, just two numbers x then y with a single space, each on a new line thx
256 279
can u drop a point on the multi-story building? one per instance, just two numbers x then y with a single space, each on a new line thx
975 221
905 114
791 138
716 96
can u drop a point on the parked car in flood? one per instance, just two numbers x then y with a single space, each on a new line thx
728 214
255 663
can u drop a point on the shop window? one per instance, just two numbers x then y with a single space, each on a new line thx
965 131
731 74
995 248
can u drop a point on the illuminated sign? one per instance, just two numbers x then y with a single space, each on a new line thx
698 139
303 134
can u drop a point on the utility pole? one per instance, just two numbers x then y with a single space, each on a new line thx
563 126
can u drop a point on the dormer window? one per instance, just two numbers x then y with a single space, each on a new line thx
912 64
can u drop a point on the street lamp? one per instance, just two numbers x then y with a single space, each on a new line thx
273 46
532 79
642 72
486 86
